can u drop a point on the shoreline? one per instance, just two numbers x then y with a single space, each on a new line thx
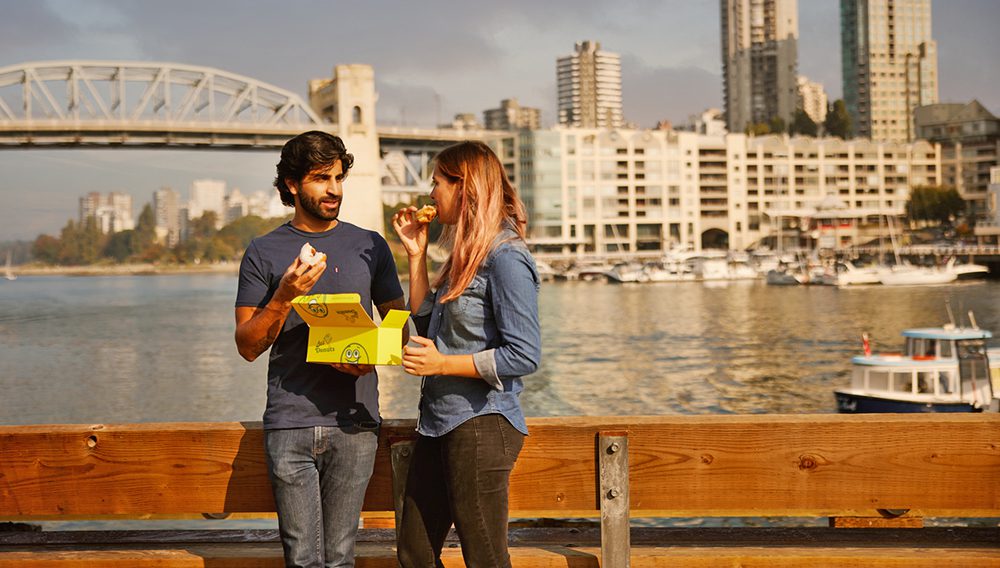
140 269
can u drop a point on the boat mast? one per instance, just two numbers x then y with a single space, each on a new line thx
892 239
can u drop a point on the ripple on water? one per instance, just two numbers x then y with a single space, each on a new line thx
160 348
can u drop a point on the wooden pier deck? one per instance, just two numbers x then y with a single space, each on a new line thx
874 477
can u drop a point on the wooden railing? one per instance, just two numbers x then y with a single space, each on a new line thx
860 470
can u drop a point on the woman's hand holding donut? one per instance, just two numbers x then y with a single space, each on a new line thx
412 233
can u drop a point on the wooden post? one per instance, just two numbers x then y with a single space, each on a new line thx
612 452
400 454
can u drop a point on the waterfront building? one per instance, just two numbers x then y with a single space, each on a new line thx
711 122
267 204
589 84
850 184
347 101
208 195
812 99
463 121
988 228
166 209
112 211
623 192
889 64
237 206
970 143
759 61
512 116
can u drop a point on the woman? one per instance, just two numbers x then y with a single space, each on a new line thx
479 335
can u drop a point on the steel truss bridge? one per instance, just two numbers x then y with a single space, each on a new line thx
119 104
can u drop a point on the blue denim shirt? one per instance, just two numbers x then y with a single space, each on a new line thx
496 321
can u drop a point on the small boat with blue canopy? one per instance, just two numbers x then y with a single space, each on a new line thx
941 369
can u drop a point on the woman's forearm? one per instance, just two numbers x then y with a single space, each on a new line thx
419 283
460 366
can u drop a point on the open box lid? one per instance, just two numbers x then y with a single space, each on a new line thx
333 310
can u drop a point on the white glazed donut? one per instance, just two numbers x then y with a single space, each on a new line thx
308 255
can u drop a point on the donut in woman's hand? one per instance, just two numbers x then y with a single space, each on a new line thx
426 214
309 255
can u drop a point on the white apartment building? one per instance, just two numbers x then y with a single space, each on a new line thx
267 204
512 116
237 206
589 85
112 211
988 228
711 122
889 63
610 192
812 99
166 208
208 195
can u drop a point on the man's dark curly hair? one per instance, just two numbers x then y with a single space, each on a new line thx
305 153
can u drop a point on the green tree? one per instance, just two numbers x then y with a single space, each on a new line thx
803 124
204 226
776 124
145 232
218 249
758 129
46 249
240 232
838 121
120 246
80 243
929 203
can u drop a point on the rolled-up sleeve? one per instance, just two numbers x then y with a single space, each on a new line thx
514 297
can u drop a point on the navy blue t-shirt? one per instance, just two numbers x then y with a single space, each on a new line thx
301 394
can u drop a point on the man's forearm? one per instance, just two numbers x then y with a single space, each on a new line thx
256 335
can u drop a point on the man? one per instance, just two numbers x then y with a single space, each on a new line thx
321 423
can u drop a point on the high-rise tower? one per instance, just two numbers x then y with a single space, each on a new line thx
889 65
590 87
759 61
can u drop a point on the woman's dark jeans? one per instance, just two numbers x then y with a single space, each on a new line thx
461 478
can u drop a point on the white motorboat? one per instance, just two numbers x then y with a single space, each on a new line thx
942 369
545 270
625 272
850 275
787 275
910 275
666 271
968 271
722 268
585 271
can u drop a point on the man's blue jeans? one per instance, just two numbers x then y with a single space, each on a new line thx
319 476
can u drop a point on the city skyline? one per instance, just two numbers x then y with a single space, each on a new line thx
427 69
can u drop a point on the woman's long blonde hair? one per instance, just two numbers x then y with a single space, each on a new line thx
487 204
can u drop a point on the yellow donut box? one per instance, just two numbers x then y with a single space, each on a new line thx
340 331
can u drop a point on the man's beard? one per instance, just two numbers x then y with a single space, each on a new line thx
314 207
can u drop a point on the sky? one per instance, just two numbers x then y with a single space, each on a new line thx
432 59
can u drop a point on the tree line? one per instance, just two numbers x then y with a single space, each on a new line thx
837 123
83 242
